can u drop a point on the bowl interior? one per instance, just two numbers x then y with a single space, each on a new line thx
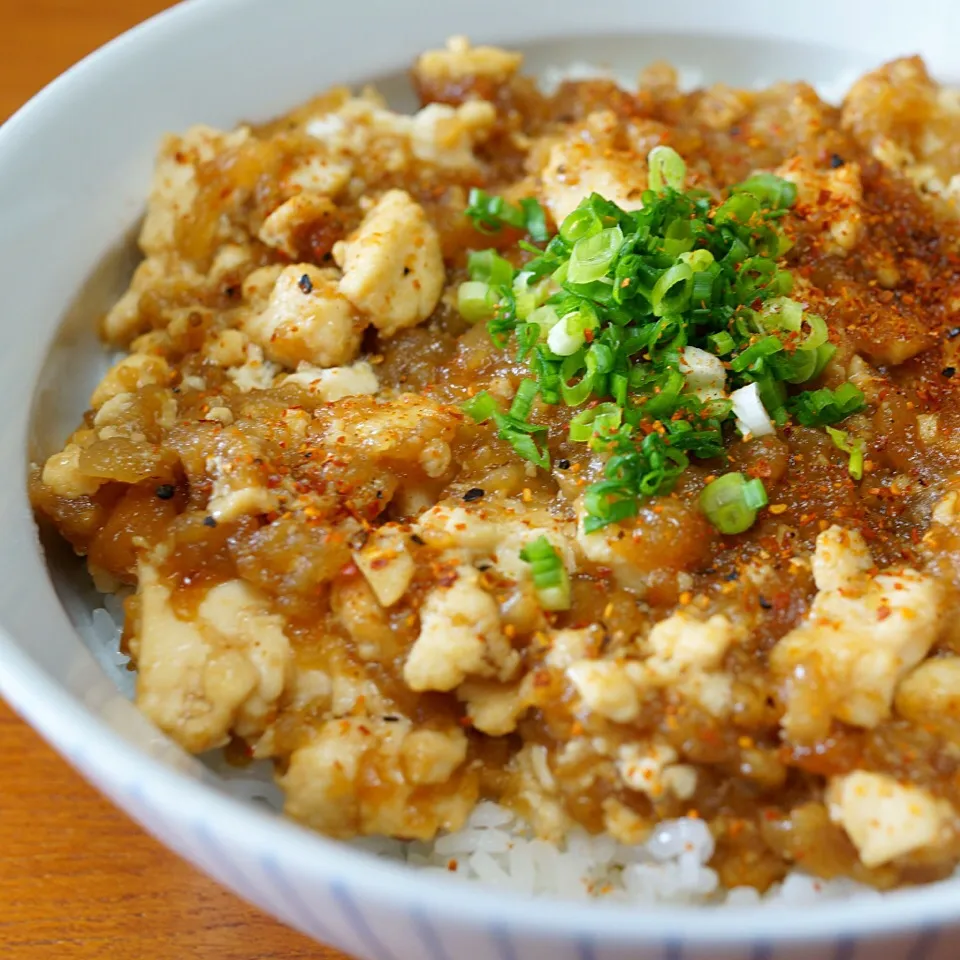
73 360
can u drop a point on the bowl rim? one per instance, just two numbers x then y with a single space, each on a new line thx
60 717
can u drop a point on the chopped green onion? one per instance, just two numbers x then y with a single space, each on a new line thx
535 219
569 334
818 332
631 310
515 430
592 256
731 502
853 446
825 354
523 399
550 578
769 189
671 293
581 223
481 407
490 267
667 169
818 408
721 343
597 425
476 301
489 214
545 317
697 260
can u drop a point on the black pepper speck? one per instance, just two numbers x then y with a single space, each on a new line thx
474 493
305 284
209 522
836 161
166 491
764 603
948 372
563 464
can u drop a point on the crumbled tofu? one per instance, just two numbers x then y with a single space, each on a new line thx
130 374
229 258
321 174
841 556
652 769
239 486
460 636
445 136
174 186
909 123
222 671
567 646
686 654
606 688
641 766
281 228
327 782
857 642
335 383
947 510
229 349
62 474
432 756
312 689
392 265
306 321
681 643
255 373
123 321
832 197
114 410
496 534
397 430
362 133
885 819
493 708
386 563
460 61
258 284
435 458
578 167
930 696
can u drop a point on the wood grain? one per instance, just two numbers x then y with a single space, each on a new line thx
78 879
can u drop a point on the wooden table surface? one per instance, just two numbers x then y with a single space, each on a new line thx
78 879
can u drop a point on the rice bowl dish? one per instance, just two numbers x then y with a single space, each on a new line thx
560 484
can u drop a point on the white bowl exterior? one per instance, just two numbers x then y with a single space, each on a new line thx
74 167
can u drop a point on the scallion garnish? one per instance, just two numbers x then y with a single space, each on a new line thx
665 324
817 408
731 502
854 446
489 214
513 426
667 169
476 301
550 578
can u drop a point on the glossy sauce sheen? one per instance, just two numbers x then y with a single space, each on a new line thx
328 481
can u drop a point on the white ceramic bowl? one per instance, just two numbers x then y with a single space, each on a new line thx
74 168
